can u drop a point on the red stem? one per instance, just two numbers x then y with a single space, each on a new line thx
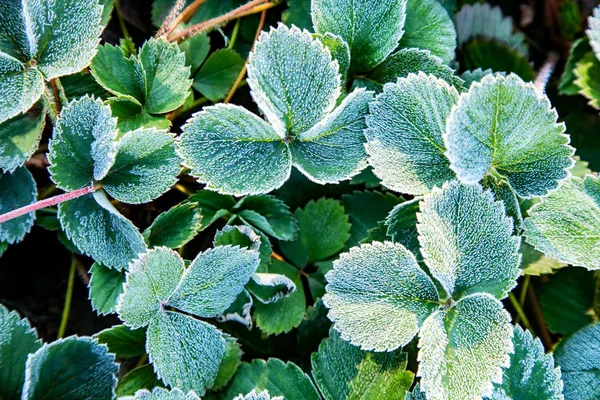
48 202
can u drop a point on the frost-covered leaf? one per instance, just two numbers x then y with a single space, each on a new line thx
151 279
380 307
269 287
211 205
123 341
404 138
175 227
499 57
429 27
20 86
98 230
450 220
17 189
17 340
146 166
267 214
531 374
339 51
578 357
72 368
593 32
253 395
161 394
475 75
343 371
239 310
566 224
416 394
324 229
83 146
279 378
142 377
298 13
245 237
232 359
185 351
218 74
371 29
106 285
293 79
213 280
463 349
536 263
587 72
333 150
20 136
504 193
235 152
502 123
401 225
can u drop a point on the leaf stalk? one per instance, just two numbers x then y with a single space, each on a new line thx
68 298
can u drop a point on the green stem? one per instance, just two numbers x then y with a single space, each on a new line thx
68 298
521 313
124 29
523 295
234 34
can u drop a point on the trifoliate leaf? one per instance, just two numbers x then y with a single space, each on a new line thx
502 123
185 351
175 227
298 13
449 220
83 146
343 371
536 263
106 285
279 378
196 50
404 138
123 341
132 116
499 57
429 27
339 51
578 357
142 377
401 226
20 86
587 72
269 215
264 395
269 287
17 189
380 307
235 152
120 75
593 32
162 394
531 374
20 136
372 30
152 278
146 166
463 348
218 74
579 49
333 150
71 368
324 229
504 193
98 230
17 340
566 224
213 280
293 79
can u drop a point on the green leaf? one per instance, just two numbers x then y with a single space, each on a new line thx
297 93
139 378
380 307
504 193
17 340
106 285
123 341
404 138
245 237
402 226
279 378
98 230
269 215
232 359
17 190
239 310
587 72
20 86
463 348
416 394
579 49
578 357
339 51
269 288
372 30
80 84
185 352
83 146
288 312
118 74
581 168
151 280
566 224
536 263
343 371
234 152
131 115
72 368
20 136
324 229
196 49
475 75
333 150
593 32
212 205
503 123
499 57
162 394
449 220
298 13
175 227
264 395
218 74
429 27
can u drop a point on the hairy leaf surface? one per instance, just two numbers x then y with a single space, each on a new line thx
106 285
20 136
17 189
20 86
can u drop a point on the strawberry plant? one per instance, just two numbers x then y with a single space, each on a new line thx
301 199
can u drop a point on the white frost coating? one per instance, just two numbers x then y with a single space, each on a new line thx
381 307
239 310
404 136
20 87
159 393
17 189
235 152
593 32
463 349
83 146
566 225
264 395
293 79
20 137
372 29
333 150
466 241
502 123
271 287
